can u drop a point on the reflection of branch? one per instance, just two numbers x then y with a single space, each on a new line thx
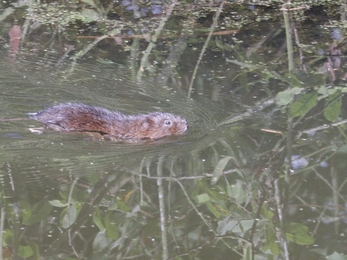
281 218
191 251
161 198
2 232
85 50
99 191
260 43
327 204
195 208
307 131
69 48
251 67
88 47
336 191
214 24
297 41
322 127
154 38
68 213
251 111
256 220
174 56
288 38
171 178
145 36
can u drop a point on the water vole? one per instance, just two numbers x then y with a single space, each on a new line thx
112 124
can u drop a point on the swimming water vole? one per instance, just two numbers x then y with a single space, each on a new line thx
115 125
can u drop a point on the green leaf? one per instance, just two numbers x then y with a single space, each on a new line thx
293 80
36 251
202 198
325 91
90 15
214 209
226 225
239 227
271 242
25 251
340 149
111 228
283 98
303 104
333 108
27 211
244 226
7 237
97 219
6 12
297 233
101 242
218 171
37 212
267 213
337 256
123 206
238 191
57 203
69 216
63 195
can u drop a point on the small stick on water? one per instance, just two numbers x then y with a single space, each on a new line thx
272 131
213 26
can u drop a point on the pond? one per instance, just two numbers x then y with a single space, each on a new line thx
258 175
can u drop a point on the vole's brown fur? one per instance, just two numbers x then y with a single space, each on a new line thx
115 125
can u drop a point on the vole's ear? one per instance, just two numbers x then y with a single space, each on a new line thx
146 123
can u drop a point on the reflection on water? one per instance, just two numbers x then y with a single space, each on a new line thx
256 174
108 191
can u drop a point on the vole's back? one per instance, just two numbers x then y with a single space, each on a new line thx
83 118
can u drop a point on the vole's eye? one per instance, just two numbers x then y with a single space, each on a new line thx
167 122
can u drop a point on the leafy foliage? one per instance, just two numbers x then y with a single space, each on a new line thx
212 193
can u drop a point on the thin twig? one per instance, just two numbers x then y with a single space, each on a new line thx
297 41
322 127
161 197
333 188
195 208
69 48
68 212
81 53
335 195
2 220
214 24
260 106
327 205
307 131
279 205
154 38
172 178
288 30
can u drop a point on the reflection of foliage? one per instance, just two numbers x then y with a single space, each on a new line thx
117 218
55 14
236 197
306 102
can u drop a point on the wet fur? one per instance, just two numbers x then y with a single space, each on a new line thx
83 118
